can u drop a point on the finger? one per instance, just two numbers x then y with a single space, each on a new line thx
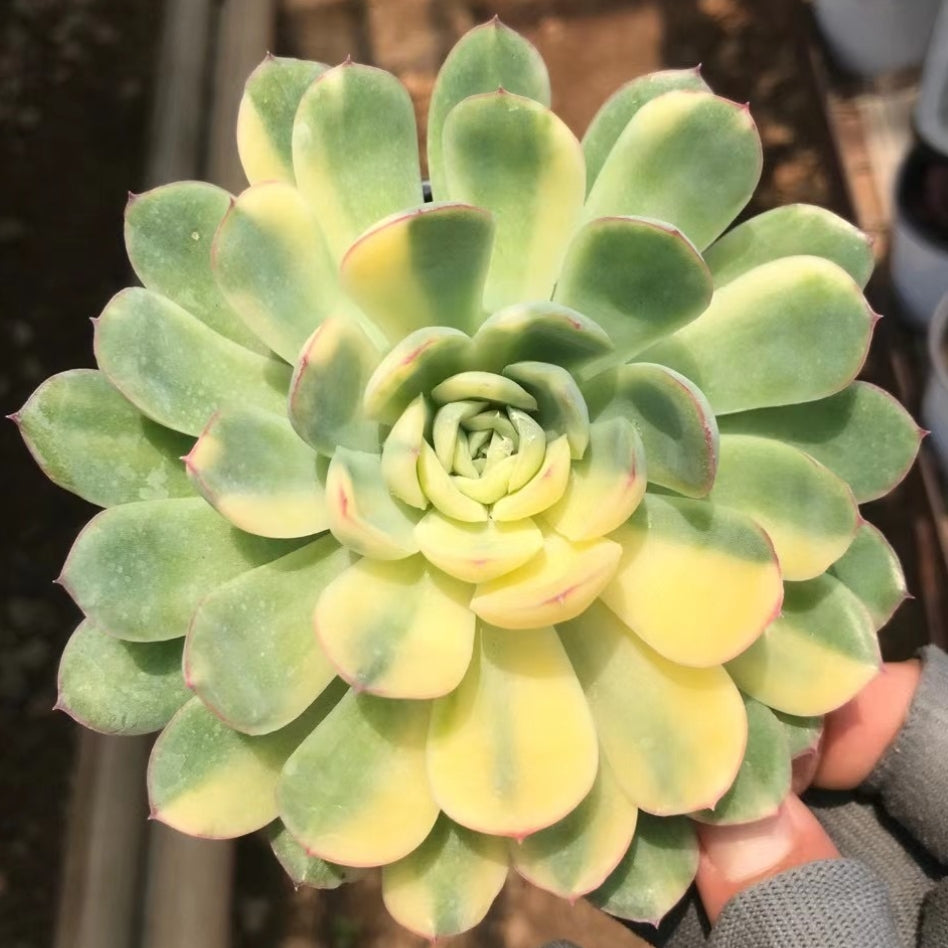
736 857
857 735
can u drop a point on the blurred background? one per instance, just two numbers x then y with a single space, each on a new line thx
98 97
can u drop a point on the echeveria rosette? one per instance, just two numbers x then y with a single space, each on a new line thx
565 480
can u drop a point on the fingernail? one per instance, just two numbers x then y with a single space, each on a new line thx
742 852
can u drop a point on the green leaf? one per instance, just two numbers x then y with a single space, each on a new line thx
515 158
808 512
355 151
620 108
638 279
251 653
676 423
120 687
787 232
443 492
870 568
168 234
265 118
271 263
793 330
802 734
255 470
662 163
139 570
206 780
487 58
816 655
401 451
302 868
655 873
426 267
177 371
763 781
862 434
90 440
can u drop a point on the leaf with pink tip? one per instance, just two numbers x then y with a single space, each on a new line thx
138 571
90 440
655 874
177 371
355 792
120 687
513 748
447 885
662 162
808 512
271 263
302 868
639 279
793 330
168 235
674 736
696 581
207 780
487 58
425 267
816 655
543 490
397 629
355 151
265 119
515 158
251 654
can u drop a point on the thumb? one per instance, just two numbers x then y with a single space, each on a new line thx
734 858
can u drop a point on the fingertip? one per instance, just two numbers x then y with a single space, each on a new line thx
733 858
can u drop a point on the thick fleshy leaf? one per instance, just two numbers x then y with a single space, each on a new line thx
447 885
271 263
513 749
302 868
487 58
802 734
325 404
413 367
793 330
861 433
426 267
543 490
639 279
870 568
477 552
619 109
251 654
355 152
808 512
662 162
696 581
90 440
207 780
397 629
254 469
674 736
604 487
265 118
362 514
763 781
542 331
439 487
356 791
139 570
401 451
531 449
556 585
483 385
515 158
655 873
176 370
575 855
674 419
120 687
787 232
816 655
168 234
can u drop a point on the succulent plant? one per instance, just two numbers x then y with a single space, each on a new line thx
519 528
